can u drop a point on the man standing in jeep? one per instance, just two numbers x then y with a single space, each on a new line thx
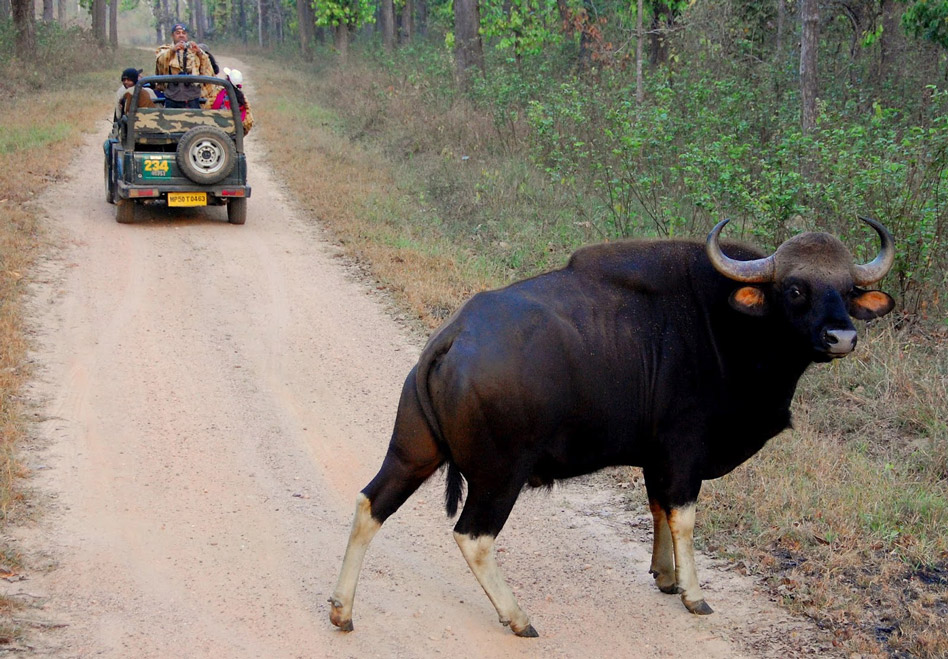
183 57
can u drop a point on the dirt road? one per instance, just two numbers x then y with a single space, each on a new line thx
210 398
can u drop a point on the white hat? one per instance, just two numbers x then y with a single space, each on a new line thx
234 75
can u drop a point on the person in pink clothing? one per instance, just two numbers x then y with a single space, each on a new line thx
222 101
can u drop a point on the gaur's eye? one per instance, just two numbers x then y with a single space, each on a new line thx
794 293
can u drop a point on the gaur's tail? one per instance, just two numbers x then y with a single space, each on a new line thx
453 489
439 344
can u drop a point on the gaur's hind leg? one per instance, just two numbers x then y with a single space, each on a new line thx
484 515
412 457
364 528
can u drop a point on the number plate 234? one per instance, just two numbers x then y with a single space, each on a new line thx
156 168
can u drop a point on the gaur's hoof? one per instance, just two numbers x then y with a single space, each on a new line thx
335 616
699 608
527 632
345 626
666 584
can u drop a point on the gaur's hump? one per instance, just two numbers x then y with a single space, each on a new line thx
650 265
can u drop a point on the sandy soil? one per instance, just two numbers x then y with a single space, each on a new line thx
210 398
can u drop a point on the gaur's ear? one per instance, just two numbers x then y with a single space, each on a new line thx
866 305
750 300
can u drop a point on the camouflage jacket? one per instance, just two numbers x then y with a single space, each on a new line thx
168 62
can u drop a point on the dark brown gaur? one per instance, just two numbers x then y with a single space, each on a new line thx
670 355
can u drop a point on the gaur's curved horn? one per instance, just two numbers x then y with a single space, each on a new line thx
758 271
870 273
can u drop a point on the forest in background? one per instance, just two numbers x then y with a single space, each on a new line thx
564 123
658 117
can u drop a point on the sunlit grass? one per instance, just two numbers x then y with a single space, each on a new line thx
13 138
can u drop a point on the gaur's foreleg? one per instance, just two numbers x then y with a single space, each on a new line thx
681 521
663 551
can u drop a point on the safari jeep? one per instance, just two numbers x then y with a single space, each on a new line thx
177 157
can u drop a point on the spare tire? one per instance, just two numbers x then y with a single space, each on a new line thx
206 154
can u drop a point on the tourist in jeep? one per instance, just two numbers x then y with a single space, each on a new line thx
129 78
223 99
183 57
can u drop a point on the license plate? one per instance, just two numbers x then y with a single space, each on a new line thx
187 199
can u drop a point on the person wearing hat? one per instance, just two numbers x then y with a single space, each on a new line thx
183 56
129 78
222 101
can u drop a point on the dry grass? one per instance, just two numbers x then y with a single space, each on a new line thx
355 192
426 172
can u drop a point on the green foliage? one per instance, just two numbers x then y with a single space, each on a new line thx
353 13
705 149
928 19
521 26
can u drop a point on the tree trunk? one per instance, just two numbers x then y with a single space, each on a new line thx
200 22
274 23
584 56
421 17
468 51
6 11
565 15
99 26
113 23
809 82
261 7
387 24
306 18
23 18
61 14
164 21
639 42
47 11
661 21
891 34
781 26
341 41
408 24
242 21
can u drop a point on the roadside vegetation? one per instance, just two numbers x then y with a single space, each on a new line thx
440 194
46 107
